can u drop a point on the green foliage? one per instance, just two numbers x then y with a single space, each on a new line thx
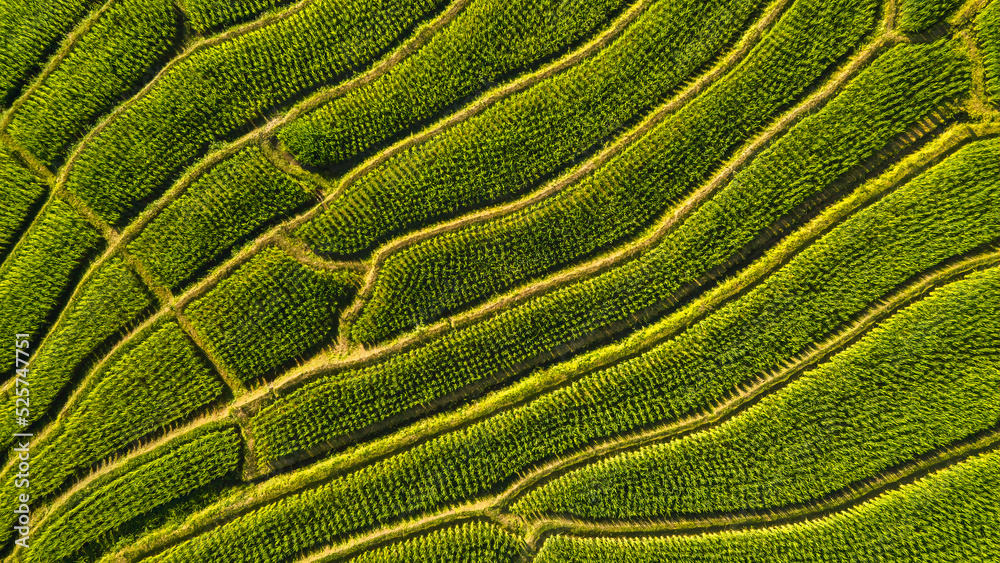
944 212
988 32
235 200
487 40
795 167
38 272
476 542
531 135
171 471
217 90
950 516
157 381
30 29
20 191
104 64
425 281
106 304
918 15
925 378
209 15
270 311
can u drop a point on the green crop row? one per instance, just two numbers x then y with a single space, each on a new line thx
950 516
20 192
158 380
105 63
522 139
918 15
235 200
107 303
171 471
423 282
217 90
30 29
270 311
41 268
796 166
925 378
210 15
475 542
488 40
988 31
945 212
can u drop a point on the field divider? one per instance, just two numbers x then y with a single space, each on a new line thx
750 38
35 166
978 106
235 386
847 498
389 534
748 393
742 398
286 163
205 414
365 356
300 252
365 454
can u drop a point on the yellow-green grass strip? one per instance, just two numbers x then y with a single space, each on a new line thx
106 305
41 268
28 30
20 193
270 311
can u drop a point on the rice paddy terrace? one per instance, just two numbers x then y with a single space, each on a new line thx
477 281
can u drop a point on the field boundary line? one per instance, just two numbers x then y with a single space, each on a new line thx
365 356
167 300
729 61
30 161
287 164
364 454
854 494
236 387
747 393
298 250
474 511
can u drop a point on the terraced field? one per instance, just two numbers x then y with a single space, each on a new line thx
477 281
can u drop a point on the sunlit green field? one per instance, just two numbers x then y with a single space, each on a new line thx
500 281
